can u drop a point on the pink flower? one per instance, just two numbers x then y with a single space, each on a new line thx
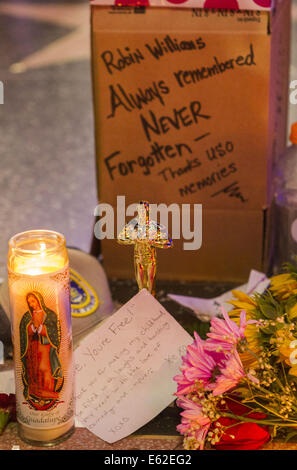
184 384
199 364
193 423
205 367
231 374
225 334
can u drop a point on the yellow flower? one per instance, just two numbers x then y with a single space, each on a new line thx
293 370
283 286
286 351
244 302
249 358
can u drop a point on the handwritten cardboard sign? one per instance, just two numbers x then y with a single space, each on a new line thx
174 97
190 107
125 368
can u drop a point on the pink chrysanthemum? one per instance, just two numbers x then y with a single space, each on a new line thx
231 374
208 370
225 334
199 365
194 424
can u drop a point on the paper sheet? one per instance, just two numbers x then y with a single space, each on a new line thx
1 353
204 309
7 382
125 368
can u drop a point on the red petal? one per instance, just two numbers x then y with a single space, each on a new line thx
239 409
7 402
4 400
247 436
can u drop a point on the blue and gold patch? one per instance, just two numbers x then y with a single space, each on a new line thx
84 299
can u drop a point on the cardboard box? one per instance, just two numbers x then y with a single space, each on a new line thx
191 107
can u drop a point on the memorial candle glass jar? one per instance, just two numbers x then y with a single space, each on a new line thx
40 311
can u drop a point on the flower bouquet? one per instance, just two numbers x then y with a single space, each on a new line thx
237 387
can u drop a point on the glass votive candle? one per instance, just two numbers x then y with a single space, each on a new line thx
40 312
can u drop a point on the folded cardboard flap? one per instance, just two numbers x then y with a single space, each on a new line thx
265 5
182 20
190 107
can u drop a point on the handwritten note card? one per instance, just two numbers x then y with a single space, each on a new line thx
125 368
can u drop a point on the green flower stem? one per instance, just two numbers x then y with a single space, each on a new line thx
274 412
252 353
258 387
252 399
239 402
264 396
263 422
285 376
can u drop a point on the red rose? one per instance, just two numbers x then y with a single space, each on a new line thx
244 435
237 408
7 403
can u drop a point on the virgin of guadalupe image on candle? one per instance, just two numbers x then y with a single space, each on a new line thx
40 337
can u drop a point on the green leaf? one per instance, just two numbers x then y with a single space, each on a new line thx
290 269
4 418
268 306
268 331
